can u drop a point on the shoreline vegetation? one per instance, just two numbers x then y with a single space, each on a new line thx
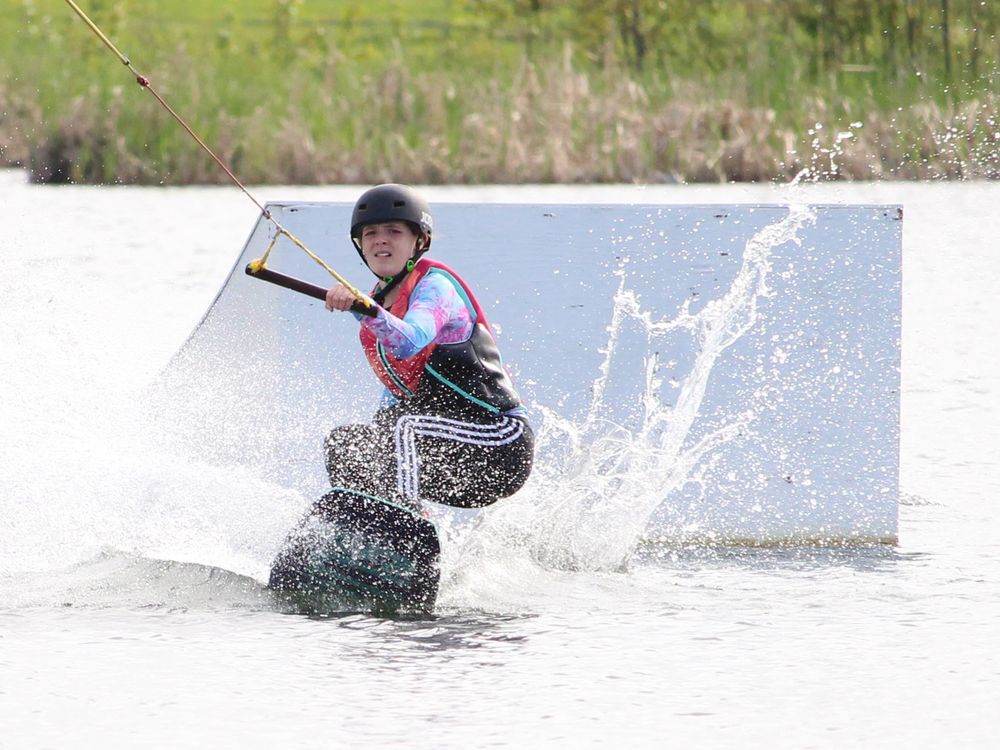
505 91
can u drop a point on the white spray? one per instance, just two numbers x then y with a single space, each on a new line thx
590 510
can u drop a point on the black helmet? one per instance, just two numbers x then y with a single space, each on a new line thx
392 202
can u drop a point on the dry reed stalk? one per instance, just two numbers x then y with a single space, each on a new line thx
16 112
544 124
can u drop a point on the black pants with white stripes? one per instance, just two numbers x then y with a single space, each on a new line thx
466 461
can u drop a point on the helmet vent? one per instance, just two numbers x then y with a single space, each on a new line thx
398 204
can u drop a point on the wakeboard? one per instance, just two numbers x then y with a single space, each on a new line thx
356 552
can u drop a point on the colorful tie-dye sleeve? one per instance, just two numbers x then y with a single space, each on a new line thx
436 314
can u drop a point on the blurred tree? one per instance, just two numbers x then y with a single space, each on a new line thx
829 37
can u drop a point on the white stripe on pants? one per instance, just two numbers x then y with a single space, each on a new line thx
411 426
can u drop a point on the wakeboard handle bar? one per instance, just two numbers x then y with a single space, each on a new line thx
304 287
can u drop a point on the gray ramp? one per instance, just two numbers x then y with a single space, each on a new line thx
711 372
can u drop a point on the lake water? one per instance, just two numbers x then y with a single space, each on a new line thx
108 639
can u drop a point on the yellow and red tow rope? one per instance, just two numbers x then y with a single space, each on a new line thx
256 267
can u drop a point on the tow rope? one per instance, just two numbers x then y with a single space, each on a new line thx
256 267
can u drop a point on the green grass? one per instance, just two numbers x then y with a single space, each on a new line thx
427 92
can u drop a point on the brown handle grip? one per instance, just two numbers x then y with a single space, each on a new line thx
304 287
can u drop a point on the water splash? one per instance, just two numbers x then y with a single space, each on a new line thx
824 160
600 481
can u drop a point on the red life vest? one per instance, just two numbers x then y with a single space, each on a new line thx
463 373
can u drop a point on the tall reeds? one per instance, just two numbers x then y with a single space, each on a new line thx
325 116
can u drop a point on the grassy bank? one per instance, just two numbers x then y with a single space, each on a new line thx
288 92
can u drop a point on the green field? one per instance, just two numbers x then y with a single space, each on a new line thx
461 91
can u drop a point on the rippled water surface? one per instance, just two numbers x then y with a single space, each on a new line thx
110 637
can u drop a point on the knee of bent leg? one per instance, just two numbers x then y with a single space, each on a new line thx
346 445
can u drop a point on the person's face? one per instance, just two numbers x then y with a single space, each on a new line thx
388 246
